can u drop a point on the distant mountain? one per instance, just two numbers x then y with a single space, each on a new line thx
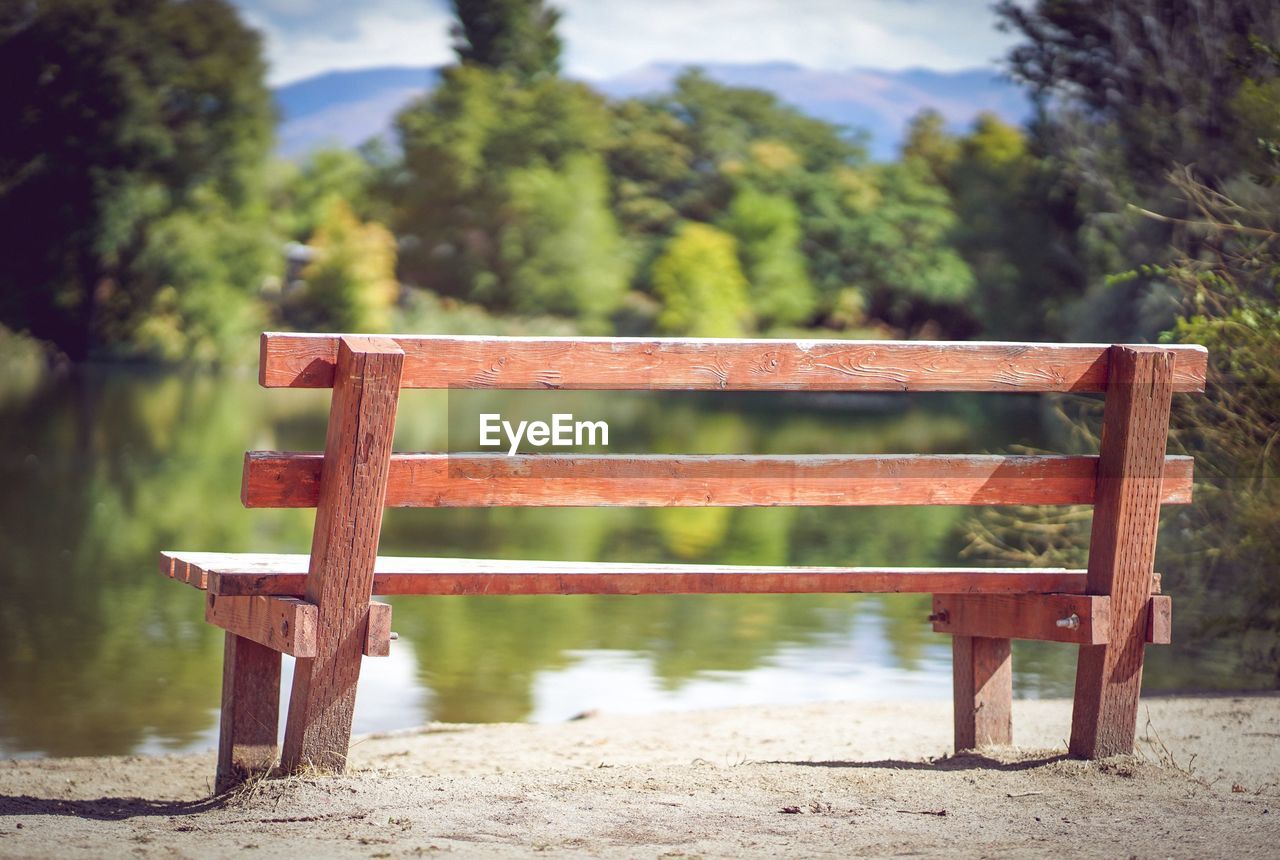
347 108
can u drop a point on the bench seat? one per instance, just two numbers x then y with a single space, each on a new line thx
244 574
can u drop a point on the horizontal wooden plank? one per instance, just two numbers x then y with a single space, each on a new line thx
283 624
1024 616
1037 617
242 574
292 480
284 575
290 360
287 624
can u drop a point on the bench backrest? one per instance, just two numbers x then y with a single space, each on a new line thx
275 479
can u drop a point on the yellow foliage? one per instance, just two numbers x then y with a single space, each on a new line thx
775 156
352 280
859 190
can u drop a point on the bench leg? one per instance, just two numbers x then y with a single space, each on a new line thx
1122 548
344 547
250 711
982 678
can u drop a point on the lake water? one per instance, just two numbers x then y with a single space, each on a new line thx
101 469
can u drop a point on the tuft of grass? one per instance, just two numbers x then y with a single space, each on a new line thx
1158 752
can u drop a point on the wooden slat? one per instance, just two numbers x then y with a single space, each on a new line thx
1002 615
1023 616
982 692
250 716
283 624
291 480
307 360
235 574
284 575
344 545
1122 547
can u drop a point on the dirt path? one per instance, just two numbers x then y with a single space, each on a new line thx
822 780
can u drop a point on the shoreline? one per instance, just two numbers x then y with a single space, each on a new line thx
806 780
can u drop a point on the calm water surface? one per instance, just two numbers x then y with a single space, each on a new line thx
101 655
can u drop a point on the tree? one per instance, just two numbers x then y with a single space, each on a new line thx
680 154
767 230
119 115
687 155
1128 92
702 289
928 142
561 245
885 233
1015 226
476 152
1227 543
302 194
351 284
1165 72
513 36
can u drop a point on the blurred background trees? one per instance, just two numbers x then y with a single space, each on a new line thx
147 219
131 174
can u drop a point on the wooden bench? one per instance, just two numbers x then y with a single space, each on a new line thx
318 608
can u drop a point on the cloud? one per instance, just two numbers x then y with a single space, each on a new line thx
609 37
355 36
606 38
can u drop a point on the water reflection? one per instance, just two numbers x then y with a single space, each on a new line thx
99 654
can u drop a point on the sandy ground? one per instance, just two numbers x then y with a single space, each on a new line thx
822 780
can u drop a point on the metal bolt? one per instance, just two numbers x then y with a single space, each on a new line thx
940 617
1071 622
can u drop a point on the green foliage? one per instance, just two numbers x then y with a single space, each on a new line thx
197 263
561 244
767 230
1015 224
424 311
351 284
889 235
303 194
501 192
679 154
513 36
1227 543
1164 72
928 142
819 234
1130 95
119 116
702 288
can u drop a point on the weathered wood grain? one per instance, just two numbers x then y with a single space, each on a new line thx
250 717
377 639
982 692
1122 548
283 624
285 575
290 360
343 548
1160 620
1024 616
292 480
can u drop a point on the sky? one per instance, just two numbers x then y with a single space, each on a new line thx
604 38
